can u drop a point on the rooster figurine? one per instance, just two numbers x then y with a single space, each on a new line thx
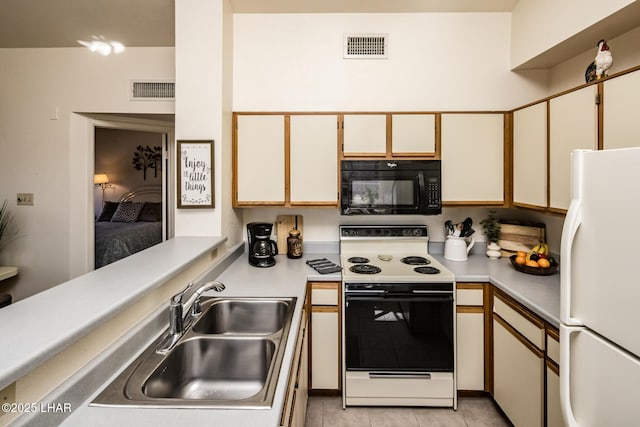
603 62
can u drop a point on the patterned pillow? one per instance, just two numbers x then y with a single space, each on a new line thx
127 212
151 212
108 210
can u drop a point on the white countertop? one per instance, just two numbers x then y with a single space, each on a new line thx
44 324
541 294
287 278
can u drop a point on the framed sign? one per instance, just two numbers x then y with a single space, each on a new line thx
195 174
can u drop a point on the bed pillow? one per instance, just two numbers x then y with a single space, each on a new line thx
151 212
108 210
127 212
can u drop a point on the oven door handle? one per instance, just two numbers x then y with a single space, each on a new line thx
366 292
419 375
407 297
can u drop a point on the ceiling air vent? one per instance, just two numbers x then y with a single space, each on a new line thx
365 46
153 90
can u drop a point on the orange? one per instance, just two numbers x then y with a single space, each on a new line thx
544 263
520 260
521 254
532 263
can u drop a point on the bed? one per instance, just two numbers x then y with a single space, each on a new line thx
128 226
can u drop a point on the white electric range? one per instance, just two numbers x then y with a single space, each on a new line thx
399 319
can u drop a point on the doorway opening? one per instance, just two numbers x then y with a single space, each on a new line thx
128 198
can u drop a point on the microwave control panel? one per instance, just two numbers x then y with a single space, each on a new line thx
433 193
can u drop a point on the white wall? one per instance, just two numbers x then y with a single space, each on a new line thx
540 25
203 106
35 149
570 73
444 61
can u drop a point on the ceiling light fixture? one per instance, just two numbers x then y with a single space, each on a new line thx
103 46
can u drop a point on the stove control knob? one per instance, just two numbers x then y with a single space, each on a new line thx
417 232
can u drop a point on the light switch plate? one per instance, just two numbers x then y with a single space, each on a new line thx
25 199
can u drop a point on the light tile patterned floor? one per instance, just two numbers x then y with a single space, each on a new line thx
472 412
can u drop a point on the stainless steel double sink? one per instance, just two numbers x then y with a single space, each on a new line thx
229 357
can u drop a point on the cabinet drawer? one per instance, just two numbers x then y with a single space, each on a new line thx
465 296
528 327
439 386
324 293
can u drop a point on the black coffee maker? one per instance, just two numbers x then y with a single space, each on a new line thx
261 248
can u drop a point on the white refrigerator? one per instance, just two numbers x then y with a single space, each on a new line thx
600 291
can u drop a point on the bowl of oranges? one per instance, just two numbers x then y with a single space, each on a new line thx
537 261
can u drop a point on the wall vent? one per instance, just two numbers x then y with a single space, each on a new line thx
153 90
365 46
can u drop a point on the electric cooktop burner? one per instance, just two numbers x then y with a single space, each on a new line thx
426 270
365 269
415 260
358 260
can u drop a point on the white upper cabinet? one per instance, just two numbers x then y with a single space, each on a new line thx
621 100
314 159
472 150
365 134
573 124
260 173
413 134
530 155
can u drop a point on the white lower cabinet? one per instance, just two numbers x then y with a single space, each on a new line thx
554 414
518 378
294 411
324 351
470 326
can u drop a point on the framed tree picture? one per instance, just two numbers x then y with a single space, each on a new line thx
195 174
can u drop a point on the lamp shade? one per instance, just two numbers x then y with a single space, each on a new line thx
100 178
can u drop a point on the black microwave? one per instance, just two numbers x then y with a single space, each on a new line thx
390 187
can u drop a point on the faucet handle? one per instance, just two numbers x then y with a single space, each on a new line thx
177 298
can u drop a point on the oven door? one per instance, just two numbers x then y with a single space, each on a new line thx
403 331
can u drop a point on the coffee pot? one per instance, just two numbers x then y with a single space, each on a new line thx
262 249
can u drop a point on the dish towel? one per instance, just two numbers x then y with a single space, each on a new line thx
323 265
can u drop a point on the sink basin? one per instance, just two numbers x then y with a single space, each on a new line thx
229 358
246 316
226 369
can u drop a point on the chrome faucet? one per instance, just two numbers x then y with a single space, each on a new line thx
177 318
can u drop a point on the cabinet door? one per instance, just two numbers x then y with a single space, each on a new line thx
260 159
413 134
573 124
325 353
314 159
621 100
530 156
364 134
554 413
472 149
470 348
518 376
301 391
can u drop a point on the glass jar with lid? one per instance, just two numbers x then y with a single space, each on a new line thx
294 244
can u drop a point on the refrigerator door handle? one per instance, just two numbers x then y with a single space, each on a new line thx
571 224
565 370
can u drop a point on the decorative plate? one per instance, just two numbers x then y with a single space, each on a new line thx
537 271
